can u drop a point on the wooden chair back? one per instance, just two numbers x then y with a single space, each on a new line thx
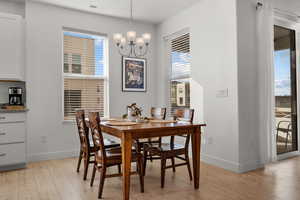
94 120
158 113
83 131
184 115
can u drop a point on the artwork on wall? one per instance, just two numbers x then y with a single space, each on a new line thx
134 74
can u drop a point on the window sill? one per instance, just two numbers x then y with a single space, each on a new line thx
68 122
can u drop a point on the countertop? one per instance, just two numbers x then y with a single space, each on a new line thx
13 111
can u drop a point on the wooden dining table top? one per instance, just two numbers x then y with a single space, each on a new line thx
144 129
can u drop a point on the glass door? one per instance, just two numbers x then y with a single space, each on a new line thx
285 90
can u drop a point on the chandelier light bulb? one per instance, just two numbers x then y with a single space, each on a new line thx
117 38
140 42
146 37
123 41
131 36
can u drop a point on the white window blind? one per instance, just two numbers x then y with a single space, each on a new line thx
84 72
181 59
180 73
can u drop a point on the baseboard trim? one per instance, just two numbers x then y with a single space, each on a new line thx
52 155
250 166
232 166
225 164
12 167
288 155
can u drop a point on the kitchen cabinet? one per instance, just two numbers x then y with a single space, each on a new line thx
12 47
12 141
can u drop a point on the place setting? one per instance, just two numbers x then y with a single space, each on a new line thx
134 117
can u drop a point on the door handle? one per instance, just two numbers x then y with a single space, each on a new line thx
1 134
2 117
2 154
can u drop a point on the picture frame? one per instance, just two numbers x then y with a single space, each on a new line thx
134 74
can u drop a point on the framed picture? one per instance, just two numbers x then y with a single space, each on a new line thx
134 74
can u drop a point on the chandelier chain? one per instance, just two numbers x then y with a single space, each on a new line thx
131 10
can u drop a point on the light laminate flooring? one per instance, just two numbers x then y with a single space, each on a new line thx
58 180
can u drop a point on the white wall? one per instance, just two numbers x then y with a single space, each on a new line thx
213 29
44 48
248 87
12 7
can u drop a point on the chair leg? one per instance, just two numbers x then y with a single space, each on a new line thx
286 140
188 165
93 175
86 167
119 169
163 171
173 164
151 158
141 173
145 162
79 160
101 184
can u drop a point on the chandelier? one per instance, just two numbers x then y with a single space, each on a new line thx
131 45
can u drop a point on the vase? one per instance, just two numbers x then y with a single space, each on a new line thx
130 115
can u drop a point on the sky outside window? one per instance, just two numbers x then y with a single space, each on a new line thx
282 65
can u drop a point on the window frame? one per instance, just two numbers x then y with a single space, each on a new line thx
104 77
168 53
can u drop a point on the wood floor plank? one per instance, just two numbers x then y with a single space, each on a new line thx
58 180
45 186
27 184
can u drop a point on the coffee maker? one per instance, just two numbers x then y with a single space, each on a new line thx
15 96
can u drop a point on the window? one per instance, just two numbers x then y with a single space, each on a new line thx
66 63
180 73
76 63
85 73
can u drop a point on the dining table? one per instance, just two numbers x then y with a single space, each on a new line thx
135 131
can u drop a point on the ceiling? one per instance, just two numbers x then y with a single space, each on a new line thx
153 11
16 1
291 6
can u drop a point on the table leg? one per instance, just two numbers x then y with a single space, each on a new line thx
126 161
196 144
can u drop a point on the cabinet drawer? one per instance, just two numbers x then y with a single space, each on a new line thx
11 154
12 132
12 117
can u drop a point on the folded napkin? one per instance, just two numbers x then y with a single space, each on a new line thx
162 121
120 123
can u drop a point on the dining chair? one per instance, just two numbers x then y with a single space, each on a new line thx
284 126
156 113
108 157
87 149
172 150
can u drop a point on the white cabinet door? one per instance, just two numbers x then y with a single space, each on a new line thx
12 117
12 133
11 154
11 47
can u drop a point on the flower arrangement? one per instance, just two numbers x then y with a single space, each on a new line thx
133 112
136 111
